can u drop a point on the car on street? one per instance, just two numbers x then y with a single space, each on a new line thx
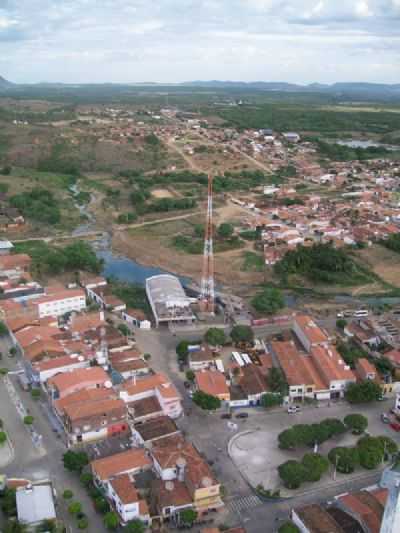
187 384
395 426
242 415
385 418
339 315
226 416
292 409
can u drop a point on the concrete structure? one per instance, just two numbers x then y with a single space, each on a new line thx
34 504
61 302
391 517
168 300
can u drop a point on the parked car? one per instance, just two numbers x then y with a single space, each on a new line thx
395 426
385 418
339 315
242 415
293 409
187 384
226 416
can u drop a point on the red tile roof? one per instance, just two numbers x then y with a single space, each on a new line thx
120 463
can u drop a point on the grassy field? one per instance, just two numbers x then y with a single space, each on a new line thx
384 262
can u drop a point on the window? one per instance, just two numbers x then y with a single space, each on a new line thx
309 389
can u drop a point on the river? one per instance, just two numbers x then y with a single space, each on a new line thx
359 143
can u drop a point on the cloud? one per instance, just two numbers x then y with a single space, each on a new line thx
176 40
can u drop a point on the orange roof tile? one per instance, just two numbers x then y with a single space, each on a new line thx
211 382
120 463
125 489
80 376
311 330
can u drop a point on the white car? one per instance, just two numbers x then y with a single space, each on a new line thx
292 409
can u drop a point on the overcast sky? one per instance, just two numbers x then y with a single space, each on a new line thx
178 40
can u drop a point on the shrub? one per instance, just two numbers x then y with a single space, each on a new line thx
269 301
83 523
3 437
188 516
35 393
111 521
292 473
242 334
135 526
74 508
68 494
28 420
288 527
271 400
101 505
86 479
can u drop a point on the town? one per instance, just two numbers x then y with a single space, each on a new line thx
199 320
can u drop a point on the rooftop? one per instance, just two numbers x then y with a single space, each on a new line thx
79 376
211 382
317 520
311 330
120 463
156 428
35 504
125 489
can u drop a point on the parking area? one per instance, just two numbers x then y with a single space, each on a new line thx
255 450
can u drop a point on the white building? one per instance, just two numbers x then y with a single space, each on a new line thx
34 504
61 302
168 300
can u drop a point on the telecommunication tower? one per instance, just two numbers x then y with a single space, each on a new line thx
207 295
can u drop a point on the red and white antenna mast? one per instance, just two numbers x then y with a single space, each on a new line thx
207 295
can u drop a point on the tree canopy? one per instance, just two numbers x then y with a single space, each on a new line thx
75 461
215 337
292 473
315 465
225 230
356 423
206 401
269 301
364 392
242 334
345 459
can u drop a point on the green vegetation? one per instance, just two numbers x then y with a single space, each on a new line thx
372 450
3 438
345 459
74 508
126 218
225 230
322 263
315 465
341 323
310 434
364 392
271 400
39 205
215 337
288 527
287 117
135 526
252 262
224 240
28 420
350 352
392 242
356 423
48 259
3 329
269 301
75 461
276 381
338 152
8 502
206 401
242 334
68 494
188 517
60 161
134 296
311 469
111 521
182 351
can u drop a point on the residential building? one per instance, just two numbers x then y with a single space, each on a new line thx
153 429
136 318
126 501
201 357
35 503
14 266
131 462
213 383
67 383
308 332
155 385
61 302
314 519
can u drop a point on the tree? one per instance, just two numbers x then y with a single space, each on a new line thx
124 330
316 465
292 473
182 351
83 523
371 452
8 502
288 527
269 301
147 356
101 505
206 401
242 334
276 381
86 479
215 337
75 461
111 521
356 422
3 329
225 230
74 508
188 517
341 323
3 437
68 494
271 400
190 375
13 351
364 392
14 526
345 459
288 439
35 393
135 526
28 420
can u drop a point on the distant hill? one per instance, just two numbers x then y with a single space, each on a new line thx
5 84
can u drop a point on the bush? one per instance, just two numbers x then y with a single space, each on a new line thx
3 329
8 502
3 438
83 523
356 423
68 494
206 401
225 230
135 526
271 400
74 508
292 473
316 465
28 420
190 375
101 505
288 527
111 521
345 459
35 393
86 479
38 204
188 517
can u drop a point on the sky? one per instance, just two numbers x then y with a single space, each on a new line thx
127 41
